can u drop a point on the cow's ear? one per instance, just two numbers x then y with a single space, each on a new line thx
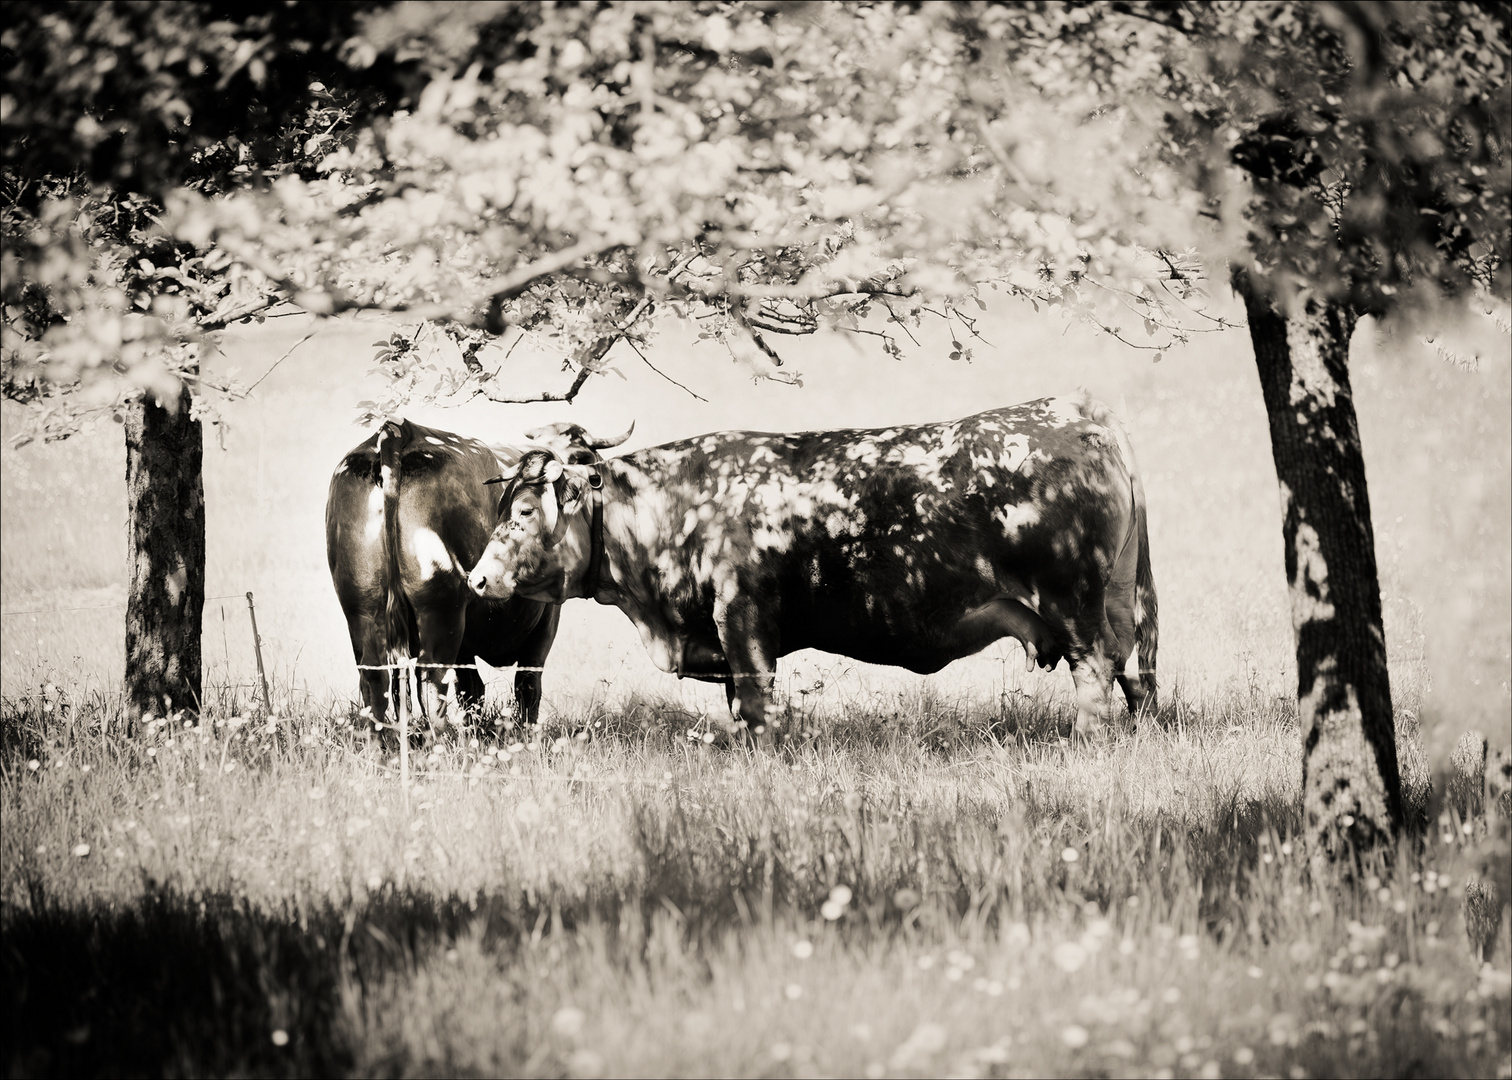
574 492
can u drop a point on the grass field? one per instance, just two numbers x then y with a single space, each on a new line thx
926 879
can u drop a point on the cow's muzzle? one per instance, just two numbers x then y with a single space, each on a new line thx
489 579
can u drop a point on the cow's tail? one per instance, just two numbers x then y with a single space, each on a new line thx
1146 607
394 622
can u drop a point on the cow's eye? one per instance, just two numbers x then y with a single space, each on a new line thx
526 511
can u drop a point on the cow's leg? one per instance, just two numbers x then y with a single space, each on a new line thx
1094 664
469 683
1118 603
377 688
533 652
1093 674
440 627
749 640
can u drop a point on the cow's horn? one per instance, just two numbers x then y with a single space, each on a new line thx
575 435
604 444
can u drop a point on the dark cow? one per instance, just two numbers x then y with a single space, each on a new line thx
408 512
911 546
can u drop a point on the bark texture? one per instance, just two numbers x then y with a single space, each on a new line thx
166 546
1351 785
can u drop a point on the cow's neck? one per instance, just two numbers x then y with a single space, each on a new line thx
593 579
632 546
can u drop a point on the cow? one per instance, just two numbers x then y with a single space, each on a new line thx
407 513
909 546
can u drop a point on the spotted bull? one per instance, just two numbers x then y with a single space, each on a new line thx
408 512
910 546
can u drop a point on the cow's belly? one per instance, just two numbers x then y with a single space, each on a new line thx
922 632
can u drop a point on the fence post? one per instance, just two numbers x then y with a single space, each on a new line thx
402 680
257 646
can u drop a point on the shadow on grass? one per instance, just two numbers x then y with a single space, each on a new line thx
181 983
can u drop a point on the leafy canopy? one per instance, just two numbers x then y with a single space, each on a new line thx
765 168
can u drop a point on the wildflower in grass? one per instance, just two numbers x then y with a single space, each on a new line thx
925 962
1069 956
280 1037
1018 934
1075 1036
1244 1057
81 851
861 1032
906 899
781 1051
568 1021
1211 1070
1254 972
152 752
1171 996
792 991
33 764
839 900
1070 854
41 849
803 949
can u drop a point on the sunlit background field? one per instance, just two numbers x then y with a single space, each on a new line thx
1436 440
926 879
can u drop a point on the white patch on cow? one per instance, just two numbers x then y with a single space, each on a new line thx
434 441
430 552
1016 517
1015 450
984 568
1131 665
340 469
862 450
1068 410
374 528
765 539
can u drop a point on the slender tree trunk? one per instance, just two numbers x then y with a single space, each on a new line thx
166 545
1351 786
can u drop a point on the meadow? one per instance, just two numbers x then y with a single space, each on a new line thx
926 878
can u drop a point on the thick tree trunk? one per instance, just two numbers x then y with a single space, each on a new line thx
1351 787
166 545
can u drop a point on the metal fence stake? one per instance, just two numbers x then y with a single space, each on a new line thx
403 734
257 646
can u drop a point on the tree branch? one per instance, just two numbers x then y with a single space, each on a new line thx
662 373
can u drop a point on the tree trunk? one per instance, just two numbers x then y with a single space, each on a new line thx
1351 787
166 545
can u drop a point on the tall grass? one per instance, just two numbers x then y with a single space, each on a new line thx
942 886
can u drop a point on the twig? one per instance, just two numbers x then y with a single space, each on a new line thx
662 373
288 353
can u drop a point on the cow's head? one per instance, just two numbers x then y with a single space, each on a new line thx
542 546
